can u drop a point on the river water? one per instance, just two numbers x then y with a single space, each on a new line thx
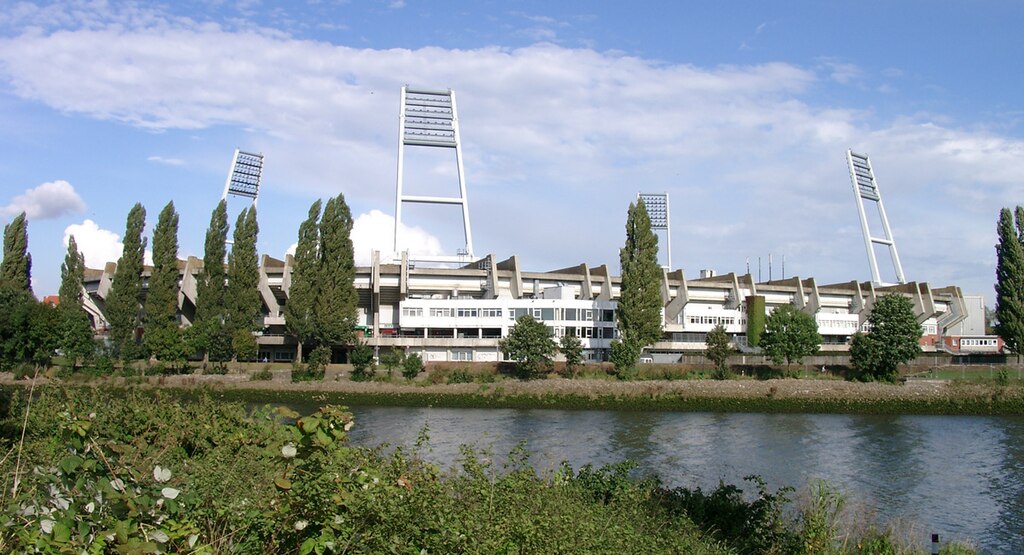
961 477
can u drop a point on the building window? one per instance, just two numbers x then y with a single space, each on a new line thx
547 314
412 311
607 315
440 313
570 314
462 356
466 313
587 315
490 313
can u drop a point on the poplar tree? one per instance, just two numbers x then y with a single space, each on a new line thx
1010 280
334 312
207 332
242 298
124 302
298 310
75 330
163 336
639 308
16 267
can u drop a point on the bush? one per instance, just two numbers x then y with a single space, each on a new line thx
362 362
391 359
460 375
412 366
263 375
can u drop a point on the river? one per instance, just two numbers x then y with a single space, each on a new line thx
961 477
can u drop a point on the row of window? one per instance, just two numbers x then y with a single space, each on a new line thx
542 314
713 320
993 342
840 324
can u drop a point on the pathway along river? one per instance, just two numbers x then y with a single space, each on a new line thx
961 477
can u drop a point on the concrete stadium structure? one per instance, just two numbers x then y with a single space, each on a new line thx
461 314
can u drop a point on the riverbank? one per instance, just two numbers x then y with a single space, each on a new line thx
737 395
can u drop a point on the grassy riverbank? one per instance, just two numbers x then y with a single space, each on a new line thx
137 471
484 388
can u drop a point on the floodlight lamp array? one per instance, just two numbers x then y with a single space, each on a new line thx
657 209
246 173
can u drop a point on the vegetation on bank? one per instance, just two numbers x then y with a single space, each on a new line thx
140 472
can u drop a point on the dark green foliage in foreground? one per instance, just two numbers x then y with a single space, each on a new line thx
143 473
29 329
893 340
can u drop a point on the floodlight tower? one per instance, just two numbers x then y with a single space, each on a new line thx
428 118
657 208
865 187
245 176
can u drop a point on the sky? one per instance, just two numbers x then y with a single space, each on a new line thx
742 111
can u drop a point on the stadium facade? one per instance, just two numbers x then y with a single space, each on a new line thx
461 313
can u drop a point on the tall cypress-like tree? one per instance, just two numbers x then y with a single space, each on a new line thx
242 298
336 302
1010 280
639 309
124 302
207 332
16 267
163 335
75 330
302 293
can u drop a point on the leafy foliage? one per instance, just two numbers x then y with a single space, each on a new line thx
893 340
29 329
790 335
718 350
1010 280
530 344
207 333
163 335
391 359
412 366
572 350
624 355
639 307
124 302
75 331
362 362
302 293
755 319
16 266
242 302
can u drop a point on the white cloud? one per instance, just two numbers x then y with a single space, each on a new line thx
376 231
49 200
97 245
167 161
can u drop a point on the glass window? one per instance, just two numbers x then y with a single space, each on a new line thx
547 314
570 314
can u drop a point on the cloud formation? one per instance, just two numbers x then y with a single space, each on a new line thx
97 245
376 231
49 200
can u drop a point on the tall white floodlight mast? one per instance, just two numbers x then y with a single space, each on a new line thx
245 176
865 187
429 118
657 208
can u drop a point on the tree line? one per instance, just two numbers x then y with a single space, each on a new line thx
145 320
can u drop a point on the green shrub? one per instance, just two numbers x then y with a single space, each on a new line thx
460 375
362 362
263 375
412 366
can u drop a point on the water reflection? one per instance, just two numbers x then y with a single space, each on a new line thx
960 477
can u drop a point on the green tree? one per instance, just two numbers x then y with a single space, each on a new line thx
242 298
1009 312
124 302
163 336
75 331
391 359
572 350
640 303
790 335
412 366
322 299
362 362
893 340
623 356
335 309
298 310
530 344
207 334
718 350
16 267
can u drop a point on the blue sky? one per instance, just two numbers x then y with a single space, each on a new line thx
741 111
